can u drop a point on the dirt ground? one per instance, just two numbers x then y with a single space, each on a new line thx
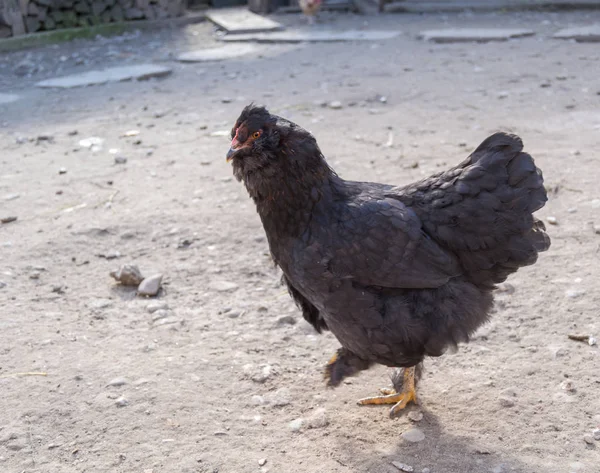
229 375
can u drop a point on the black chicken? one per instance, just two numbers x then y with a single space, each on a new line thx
396 273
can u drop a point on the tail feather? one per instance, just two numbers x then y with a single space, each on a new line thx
483 209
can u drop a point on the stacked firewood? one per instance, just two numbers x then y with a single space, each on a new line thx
28 16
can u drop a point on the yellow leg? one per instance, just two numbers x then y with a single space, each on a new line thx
390 396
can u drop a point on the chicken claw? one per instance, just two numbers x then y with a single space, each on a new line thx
400 398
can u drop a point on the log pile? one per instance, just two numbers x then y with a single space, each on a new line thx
28 16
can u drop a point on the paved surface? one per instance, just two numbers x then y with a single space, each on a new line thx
229 51
313 36
113 74
464 35
8 98
583 34
240 20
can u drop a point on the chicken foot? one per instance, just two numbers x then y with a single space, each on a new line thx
403 393
342 364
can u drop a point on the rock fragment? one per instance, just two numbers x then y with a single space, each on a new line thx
150 286
128 275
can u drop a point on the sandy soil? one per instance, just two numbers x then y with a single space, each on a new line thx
218 381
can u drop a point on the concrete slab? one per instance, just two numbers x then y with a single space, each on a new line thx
240 20
113 74
8 98
420 6
582 34
228 51
313 36
462 35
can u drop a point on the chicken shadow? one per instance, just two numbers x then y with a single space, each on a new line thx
441 452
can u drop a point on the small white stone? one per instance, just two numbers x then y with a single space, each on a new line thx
121 402
403 466
413 435
574 293
258 400
552 220
318 419
116 382
335 105
415 416
587 438
296 425
262 462
506 401
596 434
222 286
150 286
281 397
158 305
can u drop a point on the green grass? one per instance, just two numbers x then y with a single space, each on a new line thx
44 38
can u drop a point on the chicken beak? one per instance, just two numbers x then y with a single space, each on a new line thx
235 146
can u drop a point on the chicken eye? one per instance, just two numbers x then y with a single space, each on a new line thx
256 134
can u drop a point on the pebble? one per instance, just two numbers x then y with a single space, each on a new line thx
158 305
150 286
121 402
587 438
596 434
100 304
413 435
128 275
62 171
222 286
552 220
318 419
296 425
25 67
502 94
17 445
120 160
506 401
286 320
262 462
263 375
117 382
258 400
281 397
8 219
568 386
403 466
35 275
11 196
335 105
574 293
234 314
596 229
160 314
170 320
415 416
226 100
